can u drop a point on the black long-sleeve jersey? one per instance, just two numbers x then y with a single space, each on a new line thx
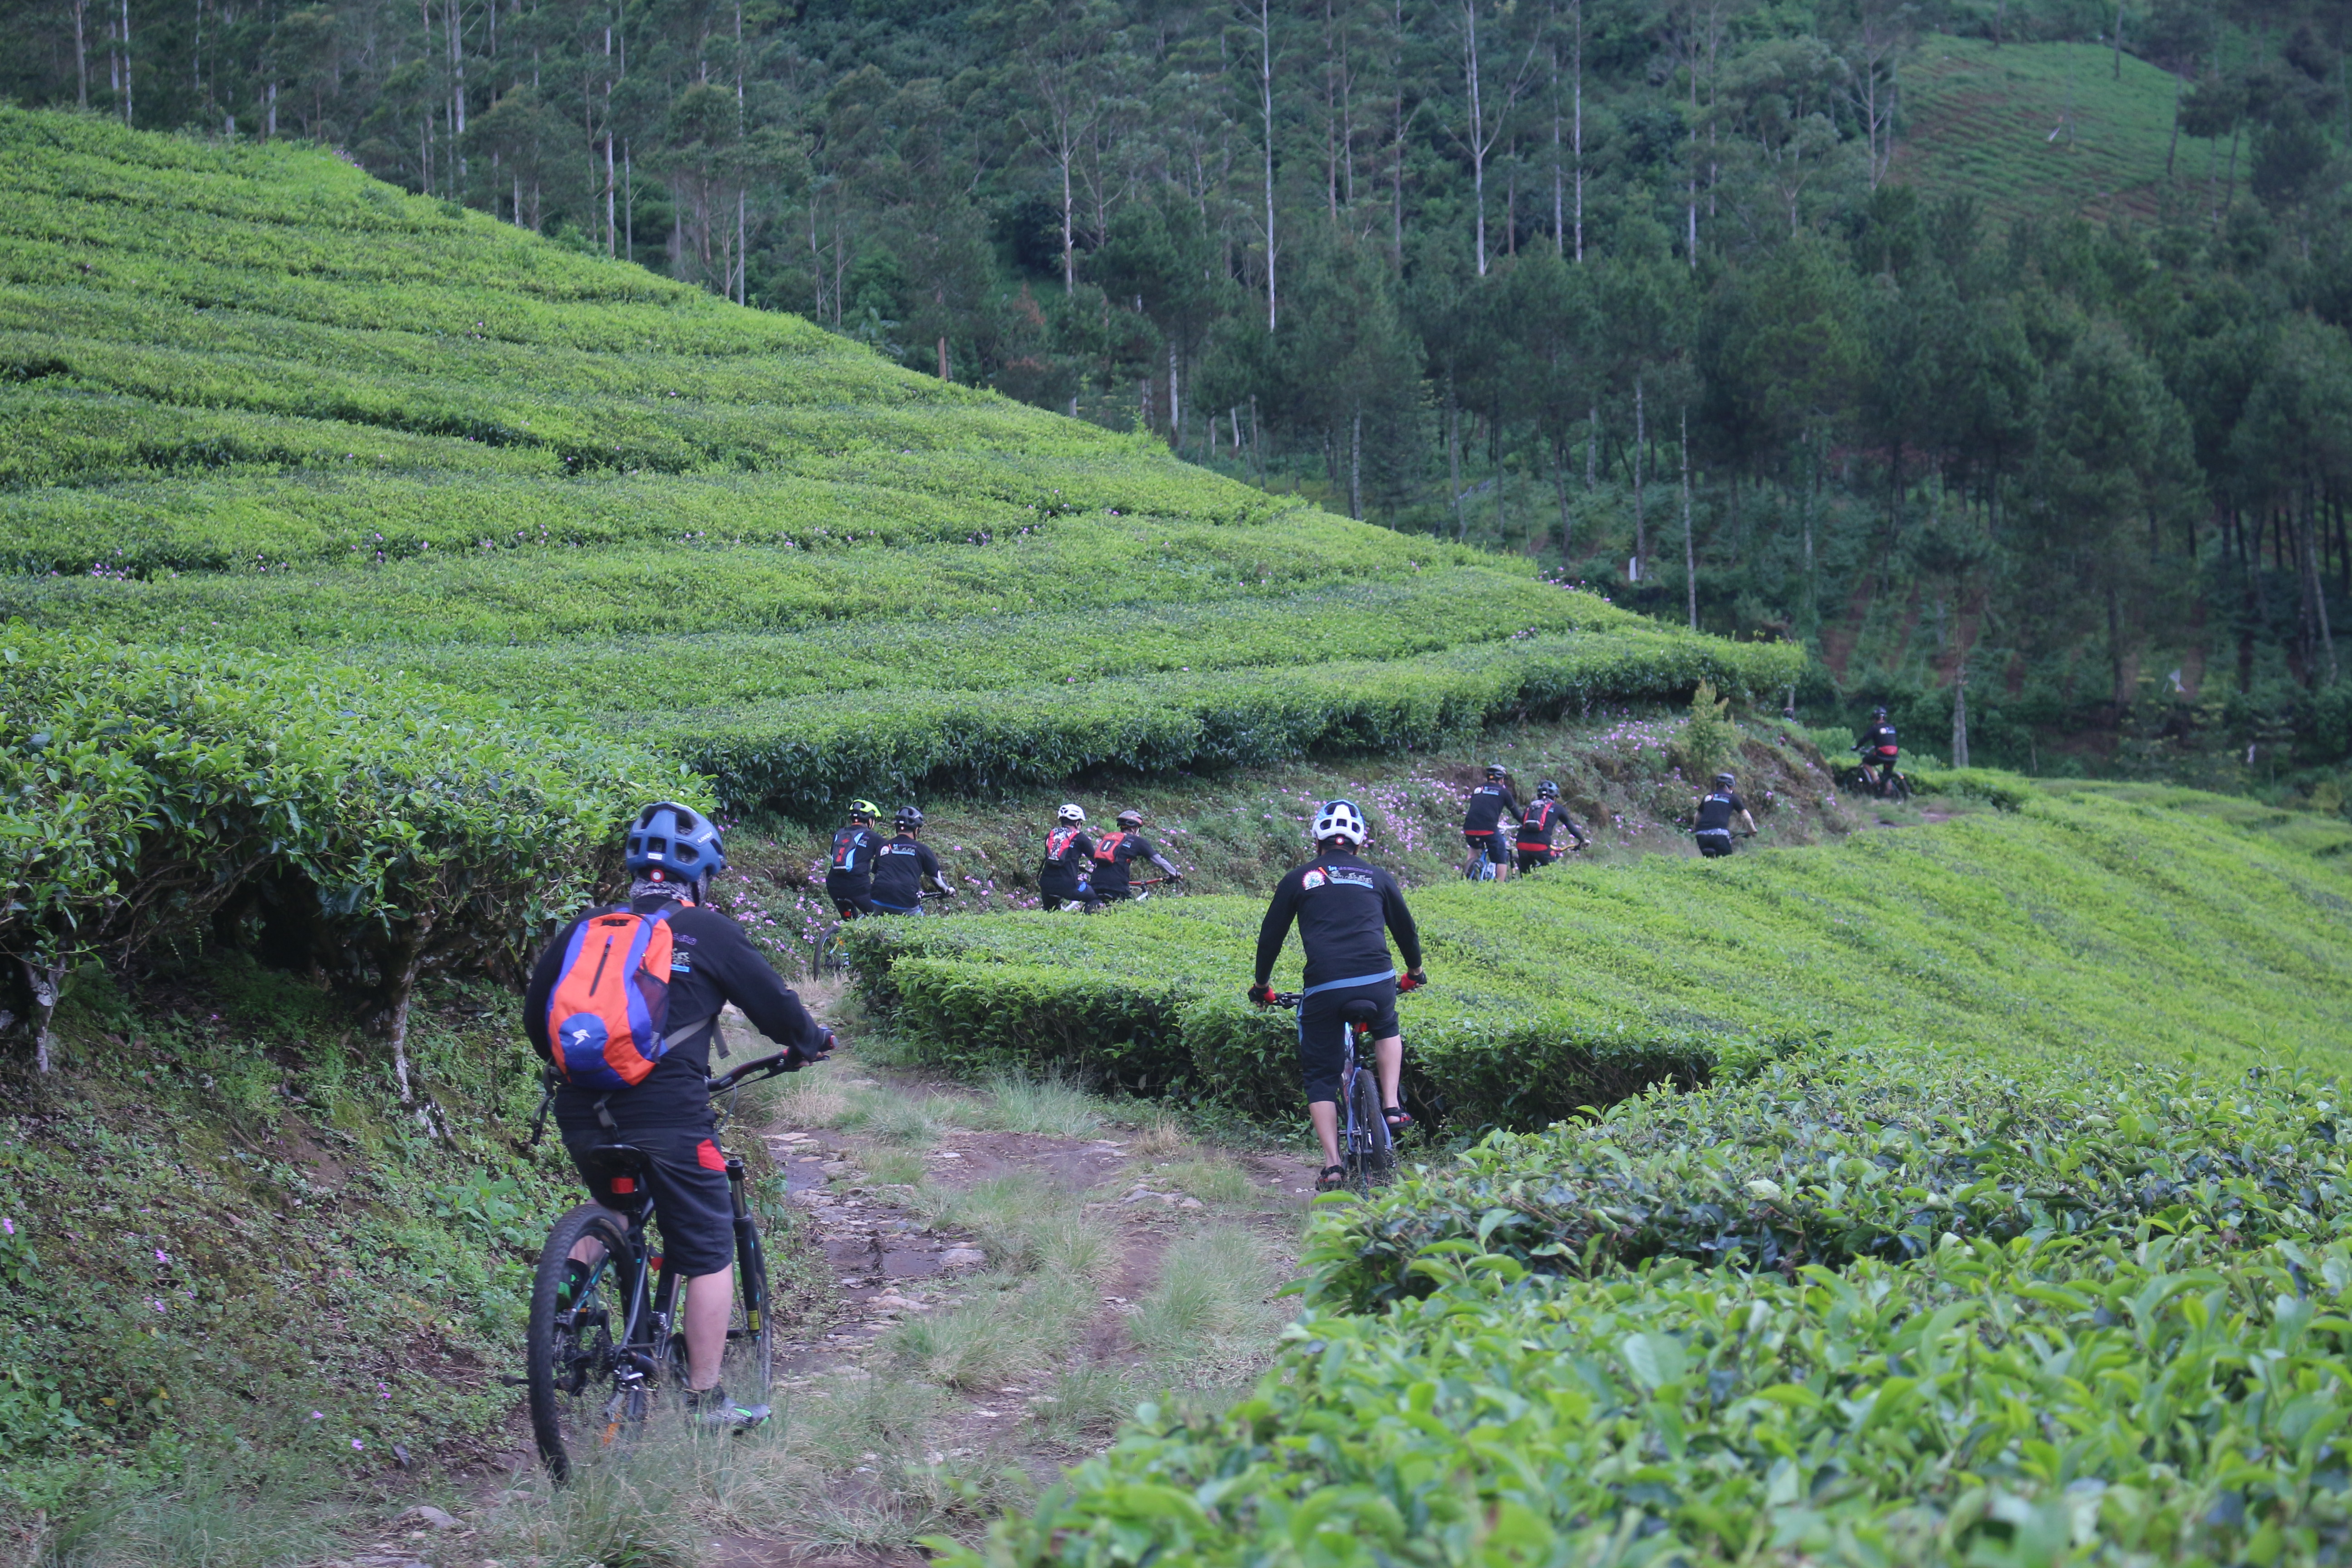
1489 804
712 962
1545 818
1345 908
1069 854
1114 857
854 851
898 871
1715 812
1878 738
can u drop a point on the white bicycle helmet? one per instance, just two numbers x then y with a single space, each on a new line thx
1069 812
1340 819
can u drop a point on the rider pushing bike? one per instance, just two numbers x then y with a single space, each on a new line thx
902 866
1346 908
672 853
1716 810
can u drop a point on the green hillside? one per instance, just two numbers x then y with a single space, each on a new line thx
2081 929
253 398
2043 130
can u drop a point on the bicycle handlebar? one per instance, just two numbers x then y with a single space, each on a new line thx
1293 998
751 1071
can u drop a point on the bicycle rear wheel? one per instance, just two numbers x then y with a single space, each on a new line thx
574 1401
831 952
1898 787
1371 1151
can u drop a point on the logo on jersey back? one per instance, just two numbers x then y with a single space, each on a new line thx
1342 877
1312 880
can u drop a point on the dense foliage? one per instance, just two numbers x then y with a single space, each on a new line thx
1996 343
2079 927
358 825
1864 1308
285 405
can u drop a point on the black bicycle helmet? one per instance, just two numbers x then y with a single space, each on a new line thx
1497 772
1725 781
1878 713
1547 790
675 840
910 817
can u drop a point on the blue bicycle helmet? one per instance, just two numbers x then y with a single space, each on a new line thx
675 840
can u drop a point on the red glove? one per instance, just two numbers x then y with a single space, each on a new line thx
1262 994
1414 981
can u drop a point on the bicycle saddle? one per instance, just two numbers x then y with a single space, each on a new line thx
1361 1011
619 1175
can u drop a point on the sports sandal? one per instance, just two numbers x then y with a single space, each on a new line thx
1399 1119
1332 1179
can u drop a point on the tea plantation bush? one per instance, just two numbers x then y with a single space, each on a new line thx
250 397
2080 928
373 826
1863 1310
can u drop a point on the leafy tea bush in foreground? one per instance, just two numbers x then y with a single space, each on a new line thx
1859 1311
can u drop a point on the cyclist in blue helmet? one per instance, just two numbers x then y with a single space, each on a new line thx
673 852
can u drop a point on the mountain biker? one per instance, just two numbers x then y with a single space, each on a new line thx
849 880
1481 824
673 852
1114 854
1069 856
1715 813
1878 750
1545 818
1345 909
902 866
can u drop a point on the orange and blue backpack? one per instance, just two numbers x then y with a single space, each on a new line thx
609 1013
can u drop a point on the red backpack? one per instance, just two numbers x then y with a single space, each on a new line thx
1107 847
607 1015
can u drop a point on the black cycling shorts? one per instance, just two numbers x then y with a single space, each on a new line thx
853 896
1715 842
1531 858
1493 846
1323 1033
691 1207
876 907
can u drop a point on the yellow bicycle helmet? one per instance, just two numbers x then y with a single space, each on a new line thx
865 808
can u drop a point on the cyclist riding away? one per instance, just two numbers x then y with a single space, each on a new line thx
849 880
1482 823
673 852
1069 856
1115 853
1345 908
1544 819
1715 814
1878 750
902 866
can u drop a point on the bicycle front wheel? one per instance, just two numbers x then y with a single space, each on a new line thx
576 1399
1371 1151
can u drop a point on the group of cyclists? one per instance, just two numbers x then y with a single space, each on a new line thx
624 1070
871 875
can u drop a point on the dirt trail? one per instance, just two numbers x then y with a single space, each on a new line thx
891 1257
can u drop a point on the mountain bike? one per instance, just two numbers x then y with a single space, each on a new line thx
1139 891
1884 782
595 1362
1482 865
1367 1147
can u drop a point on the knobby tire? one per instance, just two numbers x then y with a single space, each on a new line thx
571 1353
750 1369
1370 1153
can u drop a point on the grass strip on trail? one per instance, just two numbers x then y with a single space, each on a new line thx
2080 929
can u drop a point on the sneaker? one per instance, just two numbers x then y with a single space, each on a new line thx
711 1408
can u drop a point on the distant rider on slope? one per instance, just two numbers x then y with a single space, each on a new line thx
1543 820
902 866
1069 856
1482 823
1116 854
1716 810
849 880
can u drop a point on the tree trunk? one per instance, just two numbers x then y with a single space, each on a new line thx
1266 104
1961 712
44 984
2119 40
1578 89
943 356
2120 697
399 991
1356 467
1257 443
1640 517
127 117
1454 458
1560 488
1175 408
1478 127
1592 448
1690 544
2319 591
81 53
